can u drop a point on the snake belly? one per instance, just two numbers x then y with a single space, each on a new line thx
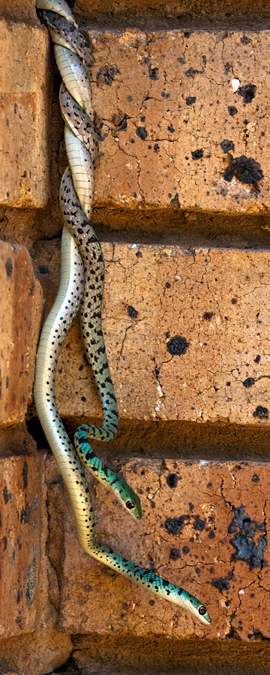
76 203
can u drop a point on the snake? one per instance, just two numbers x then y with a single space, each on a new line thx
81 286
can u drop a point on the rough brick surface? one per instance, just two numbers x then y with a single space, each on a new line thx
24 156
210 298
204 527
177 111
183 12
21 307
21 521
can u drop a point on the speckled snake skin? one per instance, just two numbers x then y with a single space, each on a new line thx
82 276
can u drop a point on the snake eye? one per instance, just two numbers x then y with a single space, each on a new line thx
130 504
202 610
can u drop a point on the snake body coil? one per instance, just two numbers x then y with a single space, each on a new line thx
82 276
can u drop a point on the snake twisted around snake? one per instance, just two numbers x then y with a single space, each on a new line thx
81 283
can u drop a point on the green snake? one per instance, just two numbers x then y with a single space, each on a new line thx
81 283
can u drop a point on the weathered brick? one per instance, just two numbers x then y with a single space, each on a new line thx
21 307
185 11
220 533
177 111
24 151
216 300
21 505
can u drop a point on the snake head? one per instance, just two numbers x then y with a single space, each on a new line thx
128 498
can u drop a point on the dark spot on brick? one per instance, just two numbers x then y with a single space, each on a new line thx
25 514
4 541
187 33
198 523
141 133
102 131
249 382
209 485
122 126
211 534
257 358
185 550
175 525
83 399
255 478
228 384
190 100
43 270
227 145
233 301
191 72
246 169
191 506
227 68
156 372
245 121
9 267
156 147
25 475
232 110
172 480
247 92
261 412
151 603
81 366
228 174
138 254
153 73
177 345
170 128
164 94
175 554
181 60
175 202
245 40
6 495
247 548
132 312
222 584
106 75
167 285
130 98
197 154
208 316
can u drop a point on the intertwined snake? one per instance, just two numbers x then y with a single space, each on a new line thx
82 276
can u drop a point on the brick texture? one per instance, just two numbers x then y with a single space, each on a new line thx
204 527
178 109
154 295
24 158
21 505
21 307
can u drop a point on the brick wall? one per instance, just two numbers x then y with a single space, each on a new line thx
181 204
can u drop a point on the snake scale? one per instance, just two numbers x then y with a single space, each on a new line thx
81 284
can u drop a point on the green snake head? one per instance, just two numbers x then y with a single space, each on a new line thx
194 606
127 497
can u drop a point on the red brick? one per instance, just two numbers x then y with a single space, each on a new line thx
21 307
